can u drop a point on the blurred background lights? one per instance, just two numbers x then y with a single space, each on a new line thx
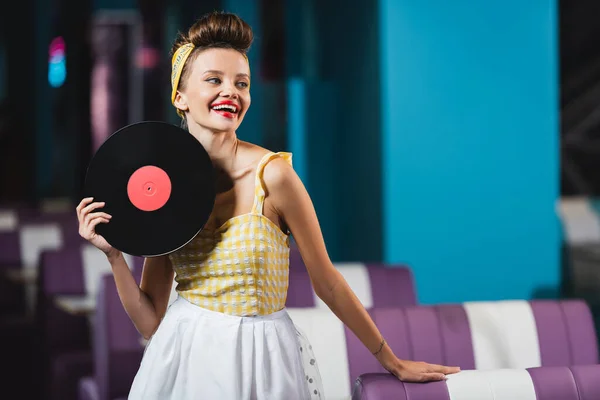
57 66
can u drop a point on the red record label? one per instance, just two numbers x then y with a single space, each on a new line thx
149 188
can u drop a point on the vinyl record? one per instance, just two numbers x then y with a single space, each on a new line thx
157 181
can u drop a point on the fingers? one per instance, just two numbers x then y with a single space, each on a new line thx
422 377
86 206
97 221
442 368
91 207
90 217
432 377
82 204
88 225
451 370
424 372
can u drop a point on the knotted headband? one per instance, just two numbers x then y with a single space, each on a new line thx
177 63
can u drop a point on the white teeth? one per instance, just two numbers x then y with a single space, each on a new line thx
225 107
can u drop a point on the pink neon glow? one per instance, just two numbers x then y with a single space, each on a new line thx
57 47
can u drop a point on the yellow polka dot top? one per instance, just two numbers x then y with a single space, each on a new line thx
241 267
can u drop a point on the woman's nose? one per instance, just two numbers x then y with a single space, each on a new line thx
229 91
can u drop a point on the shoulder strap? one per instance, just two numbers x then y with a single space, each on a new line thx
259 187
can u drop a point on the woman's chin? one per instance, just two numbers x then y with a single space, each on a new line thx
221 127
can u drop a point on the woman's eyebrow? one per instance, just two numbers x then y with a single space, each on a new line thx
214 71
217 72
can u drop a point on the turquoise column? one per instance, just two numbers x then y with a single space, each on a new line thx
333 103
313 145
252 127
312 120
470 146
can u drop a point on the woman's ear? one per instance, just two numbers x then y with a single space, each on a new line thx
181 102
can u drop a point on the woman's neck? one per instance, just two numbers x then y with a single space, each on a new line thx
221 147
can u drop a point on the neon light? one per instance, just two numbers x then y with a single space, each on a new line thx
57 65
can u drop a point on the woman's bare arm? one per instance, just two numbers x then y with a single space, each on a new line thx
146 305
290 200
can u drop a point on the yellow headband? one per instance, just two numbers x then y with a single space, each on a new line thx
177 62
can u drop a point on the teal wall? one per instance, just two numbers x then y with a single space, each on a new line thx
252 130
334 122
470 146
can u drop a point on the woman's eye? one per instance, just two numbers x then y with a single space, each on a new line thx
243 84
214 80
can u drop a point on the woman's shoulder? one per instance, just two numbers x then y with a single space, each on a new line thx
254 154
277 170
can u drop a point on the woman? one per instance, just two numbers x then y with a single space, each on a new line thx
228 336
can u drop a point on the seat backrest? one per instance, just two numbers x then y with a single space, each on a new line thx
68 271
23 245
10 249
542 383
478 335
117 344
37 237
12 295
60 273
376 285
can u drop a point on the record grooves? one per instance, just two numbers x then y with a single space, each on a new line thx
158 184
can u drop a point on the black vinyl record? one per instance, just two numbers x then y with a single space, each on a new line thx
158 184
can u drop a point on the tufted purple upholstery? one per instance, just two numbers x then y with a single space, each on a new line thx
443 335
117 346
575 327
541 383
64 340
11 294
389 285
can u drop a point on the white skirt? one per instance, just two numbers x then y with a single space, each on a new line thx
201 354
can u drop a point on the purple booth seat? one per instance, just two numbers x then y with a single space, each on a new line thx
479 335
117 348
64 338
74 271
11 215
376 285
11 294
22 248
10 249
541 383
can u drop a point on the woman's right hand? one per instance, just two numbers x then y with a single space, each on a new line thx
88 221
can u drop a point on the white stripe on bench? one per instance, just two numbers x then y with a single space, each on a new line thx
37 238
513 384
504 334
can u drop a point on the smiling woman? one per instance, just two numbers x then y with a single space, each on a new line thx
228 334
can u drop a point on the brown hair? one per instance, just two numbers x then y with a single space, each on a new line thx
214 30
